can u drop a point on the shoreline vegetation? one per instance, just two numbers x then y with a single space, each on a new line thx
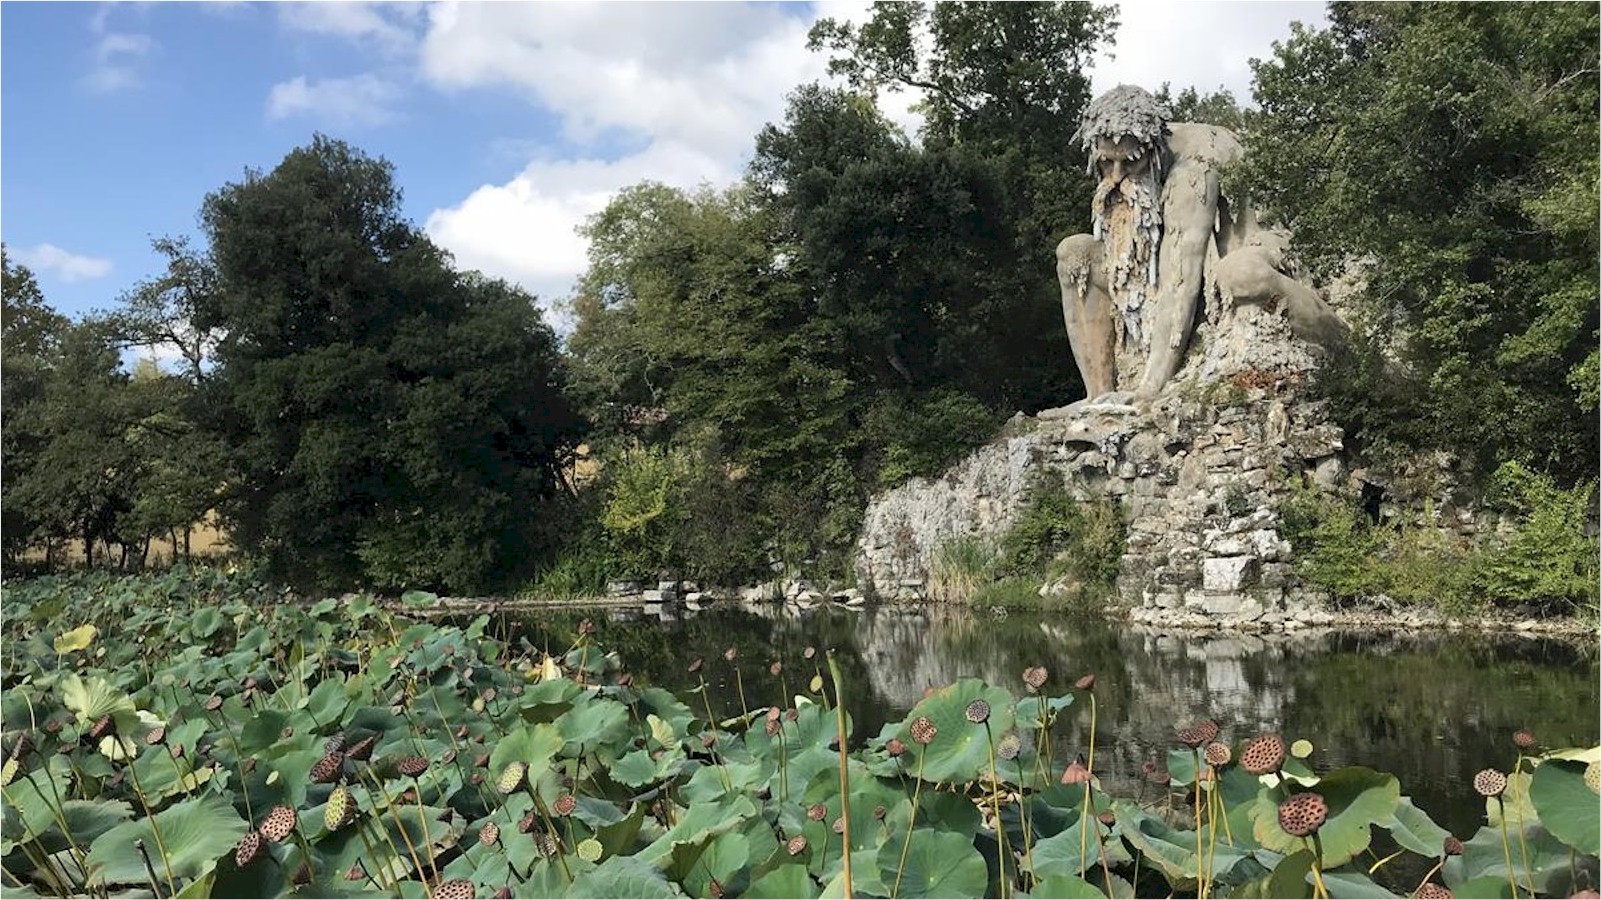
201 734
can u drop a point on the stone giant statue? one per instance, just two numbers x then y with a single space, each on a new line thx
1164 237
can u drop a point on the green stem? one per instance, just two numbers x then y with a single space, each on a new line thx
161 844
911 824
844 769
1506 851
995 795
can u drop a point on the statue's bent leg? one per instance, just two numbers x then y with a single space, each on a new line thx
1087 310
1248 276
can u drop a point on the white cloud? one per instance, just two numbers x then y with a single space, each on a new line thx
117 57
364 99
387 25
694 82
1200 45
69 267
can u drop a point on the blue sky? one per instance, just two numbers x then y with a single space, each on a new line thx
507 123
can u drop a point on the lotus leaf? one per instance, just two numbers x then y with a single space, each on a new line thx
93 698
623 877
195 834
1173 851
1567 807
1482 856
938 864
961 750
77 639
1065 887
87 820
1061 852
697 824
1413 829
598 723
1358 799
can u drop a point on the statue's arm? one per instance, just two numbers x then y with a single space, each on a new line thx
1189 212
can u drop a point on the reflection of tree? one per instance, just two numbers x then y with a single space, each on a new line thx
1433 709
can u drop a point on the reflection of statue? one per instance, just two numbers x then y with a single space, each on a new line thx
1163 231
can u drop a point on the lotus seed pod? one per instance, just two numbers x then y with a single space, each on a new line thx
1490 783
1592 777
361 751
1087 683
248 766
978 712
839 825
1301 749
564 805
1207 729
1524 740
459 889
776 669
248 850
412 766
546 844
8 771
730 654
1034 678
589 850
1303 814
527 823
156 736
696 664
792 714
1452 846
894 747
24 743
1076 772
771 727
511 777
880 811
213 703
102 727
796 845
356 872
1585 895
1190 737
489 834
335 743
809 653
279 824
708 740
586 626
817 812
1148 768
1432 891
341 809
504 893
1218 754
1264 754
1009 746
924 730
327 769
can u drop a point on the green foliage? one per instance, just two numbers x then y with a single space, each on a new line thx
924 436
657 813
1060 535
1448 150
394 422
961 567
1552 554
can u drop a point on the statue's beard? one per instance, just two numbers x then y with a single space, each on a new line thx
1128 221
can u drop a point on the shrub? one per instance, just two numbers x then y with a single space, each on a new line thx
961 568
1058 536
923 436
1551 557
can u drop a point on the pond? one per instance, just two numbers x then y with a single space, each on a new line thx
1431 708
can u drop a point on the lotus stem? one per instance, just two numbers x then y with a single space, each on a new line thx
239 762
1523 842
1506 852
995 795
1421 883
1316 846
150 871
844 768
422 817
395 817
58 811
372 854
155 829
739 683
911 824
1200 860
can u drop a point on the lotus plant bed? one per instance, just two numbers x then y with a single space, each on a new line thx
201 735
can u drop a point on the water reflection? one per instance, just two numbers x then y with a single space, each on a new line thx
1431 708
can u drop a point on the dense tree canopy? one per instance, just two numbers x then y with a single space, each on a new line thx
1448 152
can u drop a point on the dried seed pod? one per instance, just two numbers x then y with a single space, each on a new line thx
412 766
356 872
361 751
458 889
817 812
696 665
978 712
503 894
880 811
1218 754
9 771
489 834
1490 783
527 823
156 736
102 727
708 740
924 730
546 844
839 825
1107 818
1452 846
1432 891
248 850
1524 740
1086 683
894 747
335 743
1592 777
328 769
776 669
796 845
771 727
1034 678
1009 746
586 626
1076 772
564 805
1264 754
213 703
279 824
248 766
1190 737
1303 814
730 654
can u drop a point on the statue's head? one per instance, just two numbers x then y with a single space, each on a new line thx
1125 133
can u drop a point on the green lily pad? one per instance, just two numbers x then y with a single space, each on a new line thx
937 865
87 820
534 745
623 877
1289 878
1358 798
1413 829
77 639
1057 886
195 833
598 723
1566 805
93 698
786 881
1354 885
961 749
1173 851
1482 856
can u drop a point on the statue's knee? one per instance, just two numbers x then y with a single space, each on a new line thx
1078 251
1244 277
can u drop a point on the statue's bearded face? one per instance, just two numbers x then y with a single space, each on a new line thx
1128 220
1121 159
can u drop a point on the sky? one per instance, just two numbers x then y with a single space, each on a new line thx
508 123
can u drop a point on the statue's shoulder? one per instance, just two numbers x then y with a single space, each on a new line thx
1209 143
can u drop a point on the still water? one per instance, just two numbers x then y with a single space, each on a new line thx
1432 708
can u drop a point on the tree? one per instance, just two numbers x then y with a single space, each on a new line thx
394 422
31 335
159 313
1448 152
